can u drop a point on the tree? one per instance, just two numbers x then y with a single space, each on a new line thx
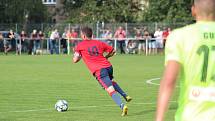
100 10
168 11
16 11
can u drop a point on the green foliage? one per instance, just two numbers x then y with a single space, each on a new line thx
128 11
171 11
15 11
100 10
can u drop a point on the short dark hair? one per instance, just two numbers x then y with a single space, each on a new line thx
87 31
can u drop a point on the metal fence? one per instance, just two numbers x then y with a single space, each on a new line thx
97 27
98 30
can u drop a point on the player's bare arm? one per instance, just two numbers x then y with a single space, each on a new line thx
167 85
110 54
76 57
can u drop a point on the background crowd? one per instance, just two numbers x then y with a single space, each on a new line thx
138 41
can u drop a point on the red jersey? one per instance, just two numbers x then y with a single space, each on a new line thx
165 34
92 54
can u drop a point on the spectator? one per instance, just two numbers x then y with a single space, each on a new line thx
108 35
1 41
53 44
74 36
165 34
32 45
152 45
64 42
147 37
8 41
132 46
40 40
23 38
141 41
120 34
158 36
102 35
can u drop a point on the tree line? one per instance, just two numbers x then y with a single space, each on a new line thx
88 11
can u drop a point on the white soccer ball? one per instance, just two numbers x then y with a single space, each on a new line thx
76 54
61 105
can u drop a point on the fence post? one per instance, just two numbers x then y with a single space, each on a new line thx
126 29
97 29
115 44
68 42
146 47
59 43
17 47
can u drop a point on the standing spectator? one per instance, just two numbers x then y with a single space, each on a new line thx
32 45
166 33
74 36
108 35
53 44
40 40
64 42
159 41
120 34
147 37
102 35
8 41
139 37
23 38
152 44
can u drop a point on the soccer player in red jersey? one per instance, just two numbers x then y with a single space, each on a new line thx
91 51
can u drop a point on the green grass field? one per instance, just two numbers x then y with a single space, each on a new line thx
31 85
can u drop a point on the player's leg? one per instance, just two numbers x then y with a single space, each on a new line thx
116 86
121 92
104 80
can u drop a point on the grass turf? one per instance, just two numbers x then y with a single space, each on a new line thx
31 85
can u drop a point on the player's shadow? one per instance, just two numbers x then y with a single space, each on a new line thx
172 107
142 112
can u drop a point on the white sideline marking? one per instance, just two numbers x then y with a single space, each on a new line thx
79 107
152 83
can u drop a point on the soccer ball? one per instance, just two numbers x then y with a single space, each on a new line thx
61 105
76 54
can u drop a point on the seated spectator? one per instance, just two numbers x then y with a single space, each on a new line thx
132 46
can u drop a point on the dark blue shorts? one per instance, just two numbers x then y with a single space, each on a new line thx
105 76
